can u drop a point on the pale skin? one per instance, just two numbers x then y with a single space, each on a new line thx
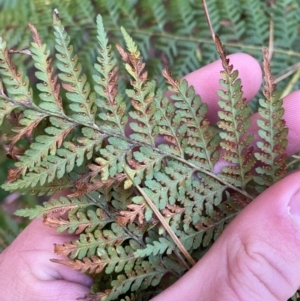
256 258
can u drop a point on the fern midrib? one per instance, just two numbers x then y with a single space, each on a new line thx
131 141
202 40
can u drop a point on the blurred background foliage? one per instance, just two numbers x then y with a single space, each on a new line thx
170 33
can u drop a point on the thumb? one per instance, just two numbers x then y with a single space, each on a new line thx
256 258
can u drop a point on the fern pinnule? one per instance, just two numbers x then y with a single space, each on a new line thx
234 124
162 220
142 95
17 85
44 144
29 120
145 162
143 275
74 82
202 141
54 167
162 246
134 213
106 87
49 88
170 129
88 243
6 107
54 206
79 222
50 188
209 226
113 157
112 259
272 131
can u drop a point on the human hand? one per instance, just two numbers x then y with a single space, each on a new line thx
257 257
27 274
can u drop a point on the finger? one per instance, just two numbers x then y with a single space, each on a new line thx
206 80
34 248
256 258
291 105
57 290
41 268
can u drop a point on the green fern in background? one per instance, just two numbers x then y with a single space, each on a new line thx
146 202
169 33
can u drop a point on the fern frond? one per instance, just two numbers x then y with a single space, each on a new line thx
136 183
272 131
